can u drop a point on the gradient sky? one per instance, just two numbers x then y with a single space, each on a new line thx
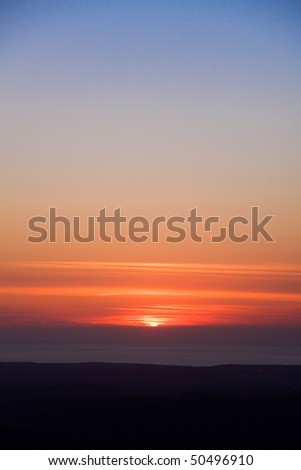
155 107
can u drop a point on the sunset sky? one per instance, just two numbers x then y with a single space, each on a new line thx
156 107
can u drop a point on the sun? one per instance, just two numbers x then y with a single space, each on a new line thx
152 324
151 321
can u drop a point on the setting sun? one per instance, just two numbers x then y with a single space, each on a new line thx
152 324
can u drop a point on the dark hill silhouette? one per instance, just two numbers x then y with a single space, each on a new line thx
110 406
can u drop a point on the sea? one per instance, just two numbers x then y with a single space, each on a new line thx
184 355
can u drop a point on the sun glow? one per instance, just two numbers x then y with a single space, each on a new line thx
152 324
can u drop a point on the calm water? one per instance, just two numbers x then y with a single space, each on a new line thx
178 355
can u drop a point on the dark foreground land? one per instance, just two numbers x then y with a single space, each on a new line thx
128 406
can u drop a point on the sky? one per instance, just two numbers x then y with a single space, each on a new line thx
155 108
